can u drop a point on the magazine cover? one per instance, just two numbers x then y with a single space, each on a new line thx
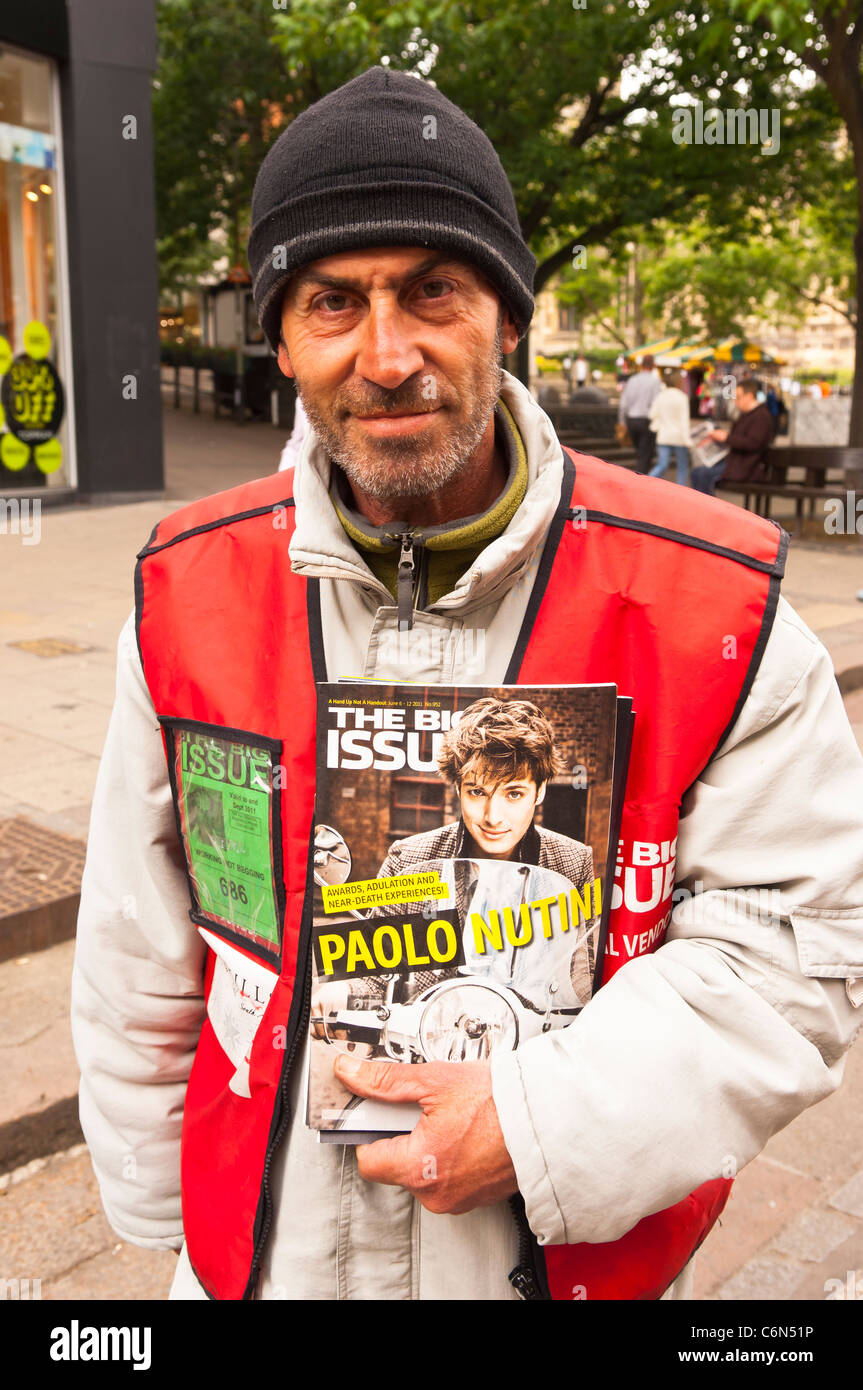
461 856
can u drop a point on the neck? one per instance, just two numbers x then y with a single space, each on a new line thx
476 487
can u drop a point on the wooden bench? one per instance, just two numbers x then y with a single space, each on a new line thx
588 420
824 472
607 449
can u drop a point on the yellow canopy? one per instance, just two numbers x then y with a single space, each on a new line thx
659 346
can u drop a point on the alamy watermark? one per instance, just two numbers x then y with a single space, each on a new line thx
20 1290
692 125
843 516
21 516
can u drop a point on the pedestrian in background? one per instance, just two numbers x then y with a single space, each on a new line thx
637 397
669 419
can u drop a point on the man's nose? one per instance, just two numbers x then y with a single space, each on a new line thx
387 355
493 812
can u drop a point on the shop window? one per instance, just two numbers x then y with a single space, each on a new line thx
34 436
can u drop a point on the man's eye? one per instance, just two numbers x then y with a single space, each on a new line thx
325 300
442 285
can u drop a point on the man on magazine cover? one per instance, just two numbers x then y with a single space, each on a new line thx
499 757
432 500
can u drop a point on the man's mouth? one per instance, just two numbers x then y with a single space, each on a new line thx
395 422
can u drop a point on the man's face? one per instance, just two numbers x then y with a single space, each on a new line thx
744 400
497 814
411 336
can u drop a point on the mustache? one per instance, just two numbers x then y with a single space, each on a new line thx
403 400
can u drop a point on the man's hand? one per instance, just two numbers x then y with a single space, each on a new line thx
455 1159
719 435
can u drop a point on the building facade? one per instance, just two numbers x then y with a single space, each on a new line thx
79 351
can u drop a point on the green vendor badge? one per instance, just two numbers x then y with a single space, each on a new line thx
228 818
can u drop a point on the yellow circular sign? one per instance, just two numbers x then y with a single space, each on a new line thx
37 340
14 453
5 356
48 456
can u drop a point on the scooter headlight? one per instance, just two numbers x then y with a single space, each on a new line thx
466 1023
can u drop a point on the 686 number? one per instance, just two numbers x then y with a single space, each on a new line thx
230 889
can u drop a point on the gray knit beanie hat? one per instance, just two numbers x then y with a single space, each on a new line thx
385 160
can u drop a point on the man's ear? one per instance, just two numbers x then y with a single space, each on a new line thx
283 359
540 796
508 333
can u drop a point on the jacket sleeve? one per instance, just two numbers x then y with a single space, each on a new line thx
137 983
690 1058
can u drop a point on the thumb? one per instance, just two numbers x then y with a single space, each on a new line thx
381 1080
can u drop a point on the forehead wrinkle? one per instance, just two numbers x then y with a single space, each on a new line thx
350 282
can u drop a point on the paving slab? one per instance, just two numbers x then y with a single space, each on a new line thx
813 1235
838 1268
53 1229
36 1054
767 1278
850 1197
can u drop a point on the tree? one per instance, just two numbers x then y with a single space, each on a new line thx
578 104
220 95
822 39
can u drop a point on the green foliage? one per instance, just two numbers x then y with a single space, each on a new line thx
579 106
576 102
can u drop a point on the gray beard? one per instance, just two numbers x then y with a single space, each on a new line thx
394 468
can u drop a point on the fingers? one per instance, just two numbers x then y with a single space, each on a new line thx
382 1080
387 1161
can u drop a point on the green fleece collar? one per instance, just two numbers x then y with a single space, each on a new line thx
463 533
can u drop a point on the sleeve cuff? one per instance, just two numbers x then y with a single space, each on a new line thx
534 1182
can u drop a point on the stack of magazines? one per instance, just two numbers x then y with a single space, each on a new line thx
463 854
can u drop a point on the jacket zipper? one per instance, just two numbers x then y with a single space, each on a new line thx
405 583
284 1121
411 579
528 1278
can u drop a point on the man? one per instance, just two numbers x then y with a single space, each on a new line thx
431 498
748 440
636 398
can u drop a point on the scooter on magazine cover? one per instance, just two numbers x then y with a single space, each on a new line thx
492 1000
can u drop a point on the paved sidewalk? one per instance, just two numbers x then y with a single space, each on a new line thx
796 1217
53 1229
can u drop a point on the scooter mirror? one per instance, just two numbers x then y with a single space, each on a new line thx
332 856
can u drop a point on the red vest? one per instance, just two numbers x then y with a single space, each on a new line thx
667 593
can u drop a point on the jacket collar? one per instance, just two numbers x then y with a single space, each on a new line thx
320 547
